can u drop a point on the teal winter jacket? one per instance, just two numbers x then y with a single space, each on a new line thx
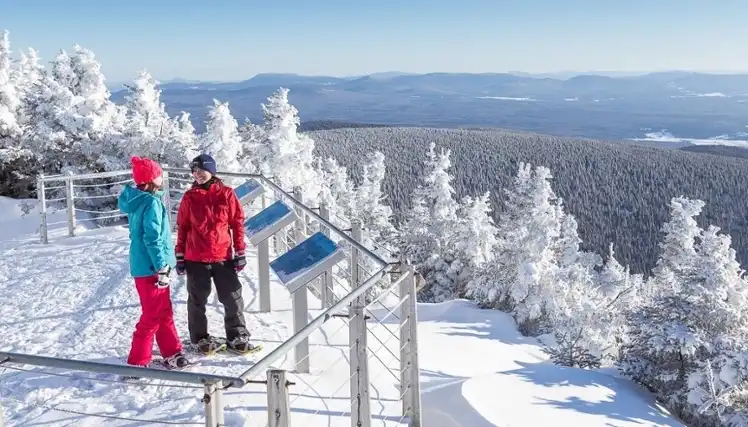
151 243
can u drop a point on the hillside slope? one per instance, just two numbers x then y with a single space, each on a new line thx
618 192
74 298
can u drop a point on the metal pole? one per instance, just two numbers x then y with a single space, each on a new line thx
167 198
70 199
299 301
326 283
263 268
357 332
123 370
218 404
263 275
210 408
415 371
279 409
40 194
405 361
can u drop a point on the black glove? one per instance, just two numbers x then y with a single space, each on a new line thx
240 261
181 270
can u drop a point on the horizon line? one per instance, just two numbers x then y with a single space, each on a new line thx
519 73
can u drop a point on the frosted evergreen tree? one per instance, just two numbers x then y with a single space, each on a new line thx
337 191
221 138
529 244
148 126
50 110
184 137
30 71
585 321
427 237
675 265
290 154
475 239
10 101
75 117
371 210
700 318
490 285
254 151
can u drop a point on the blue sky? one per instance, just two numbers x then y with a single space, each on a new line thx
233 40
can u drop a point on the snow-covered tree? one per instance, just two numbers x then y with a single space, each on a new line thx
529 236
9 97
337 191
701 317
148 126
290 155
254 151
73 122
475 238
370 208
221 138
675 264
184 136
30 70
427 236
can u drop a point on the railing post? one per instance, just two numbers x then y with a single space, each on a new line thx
410 375
218 404
299 300
40 194
279 239
360 400
325 292
211 415
279 409
263 275
70 199
263 269
167 198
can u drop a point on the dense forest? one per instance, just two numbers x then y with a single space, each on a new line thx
617 192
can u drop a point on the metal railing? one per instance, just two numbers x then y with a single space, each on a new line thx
348 296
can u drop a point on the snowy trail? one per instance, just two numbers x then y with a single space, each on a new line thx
74 298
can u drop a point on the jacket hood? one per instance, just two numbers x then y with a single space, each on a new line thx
131 199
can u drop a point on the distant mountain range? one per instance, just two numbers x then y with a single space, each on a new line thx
606 105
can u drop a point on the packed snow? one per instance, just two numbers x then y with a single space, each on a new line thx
74 299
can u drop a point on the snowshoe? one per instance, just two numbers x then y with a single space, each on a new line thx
241 345
206 346
176 362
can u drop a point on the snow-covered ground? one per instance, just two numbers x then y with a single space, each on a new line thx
666 137
74 298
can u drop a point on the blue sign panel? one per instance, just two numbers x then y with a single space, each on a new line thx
249 191
303 263
268 222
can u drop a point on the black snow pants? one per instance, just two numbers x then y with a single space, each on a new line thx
229 291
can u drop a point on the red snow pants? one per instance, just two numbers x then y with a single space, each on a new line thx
156 320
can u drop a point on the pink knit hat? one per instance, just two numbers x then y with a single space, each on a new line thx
144 170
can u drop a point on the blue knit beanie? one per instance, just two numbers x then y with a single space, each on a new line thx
204 162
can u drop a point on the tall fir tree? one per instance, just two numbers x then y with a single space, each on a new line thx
221 139
427 236
290 155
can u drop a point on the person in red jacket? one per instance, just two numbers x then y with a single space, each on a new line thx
210 247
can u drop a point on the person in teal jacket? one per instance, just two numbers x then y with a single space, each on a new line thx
151 260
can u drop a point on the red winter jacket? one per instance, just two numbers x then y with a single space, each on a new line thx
209 222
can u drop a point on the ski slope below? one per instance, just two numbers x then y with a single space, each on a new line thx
74 298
